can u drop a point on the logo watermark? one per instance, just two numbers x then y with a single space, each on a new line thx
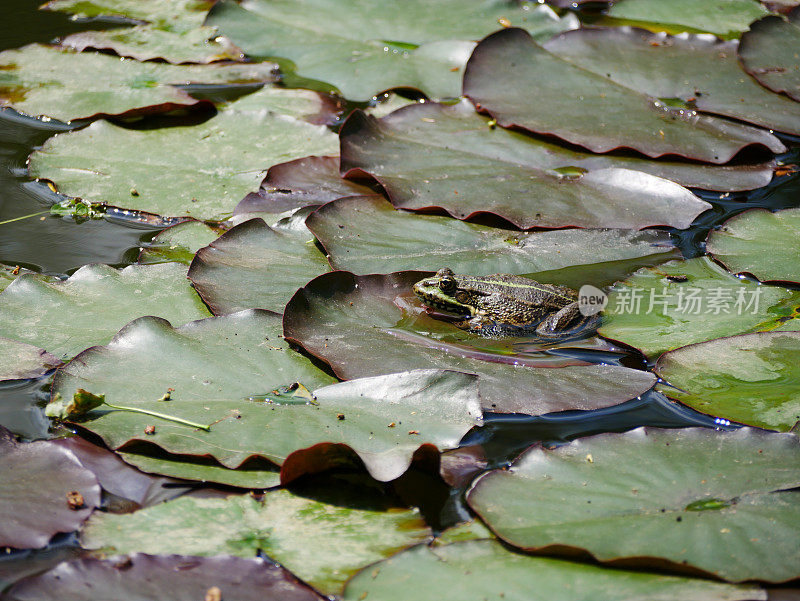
684 300
591 300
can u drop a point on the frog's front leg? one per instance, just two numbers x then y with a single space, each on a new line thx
555 322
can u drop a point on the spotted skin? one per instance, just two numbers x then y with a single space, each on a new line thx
501 300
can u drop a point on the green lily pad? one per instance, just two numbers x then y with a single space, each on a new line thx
715 501
684 302
385 420
213 367
8 274
365 326
388 103
173 31
143 577
62 84
750 378
88 308
176 14
20 361
769 53
687 74
363 48
179 243
760 242
37 479
146 42
255 266
484 569
300 183
366 234
428 155
724 17
200 171
322 540
254 474
504 73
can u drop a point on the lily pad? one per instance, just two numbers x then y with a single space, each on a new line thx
715 501
145 577
213 367
684 302
428 155
146 42
299 183
173 31
68 316
356 325
367 235
484 569
385 420
179 243
254 474
760 242
363 48
255 266
723 17
504 73
199 171
687 74
120 479
769 51
20 361
62 84
322 540
751 379
176 14
45 491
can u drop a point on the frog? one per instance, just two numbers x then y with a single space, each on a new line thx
500 302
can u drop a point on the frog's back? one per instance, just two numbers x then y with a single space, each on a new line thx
523 288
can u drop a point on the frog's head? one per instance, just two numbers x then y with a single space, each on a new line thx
443 292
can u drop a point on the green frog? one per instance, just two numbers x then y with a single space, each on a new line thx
501 301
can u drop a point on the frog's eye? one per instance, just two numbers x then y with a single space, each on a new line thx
447 284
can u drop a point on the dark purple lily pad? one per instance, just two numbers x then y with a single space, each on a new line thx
119 478
255 266
445 129
299 183
45 490
769 52
355 324
19 361
504 77
428 155
141 577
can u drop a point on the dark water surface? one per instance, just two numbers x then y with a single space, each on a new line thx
59 246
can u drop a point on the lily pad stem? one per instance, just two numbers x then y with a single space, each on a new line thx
24 217
160 415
